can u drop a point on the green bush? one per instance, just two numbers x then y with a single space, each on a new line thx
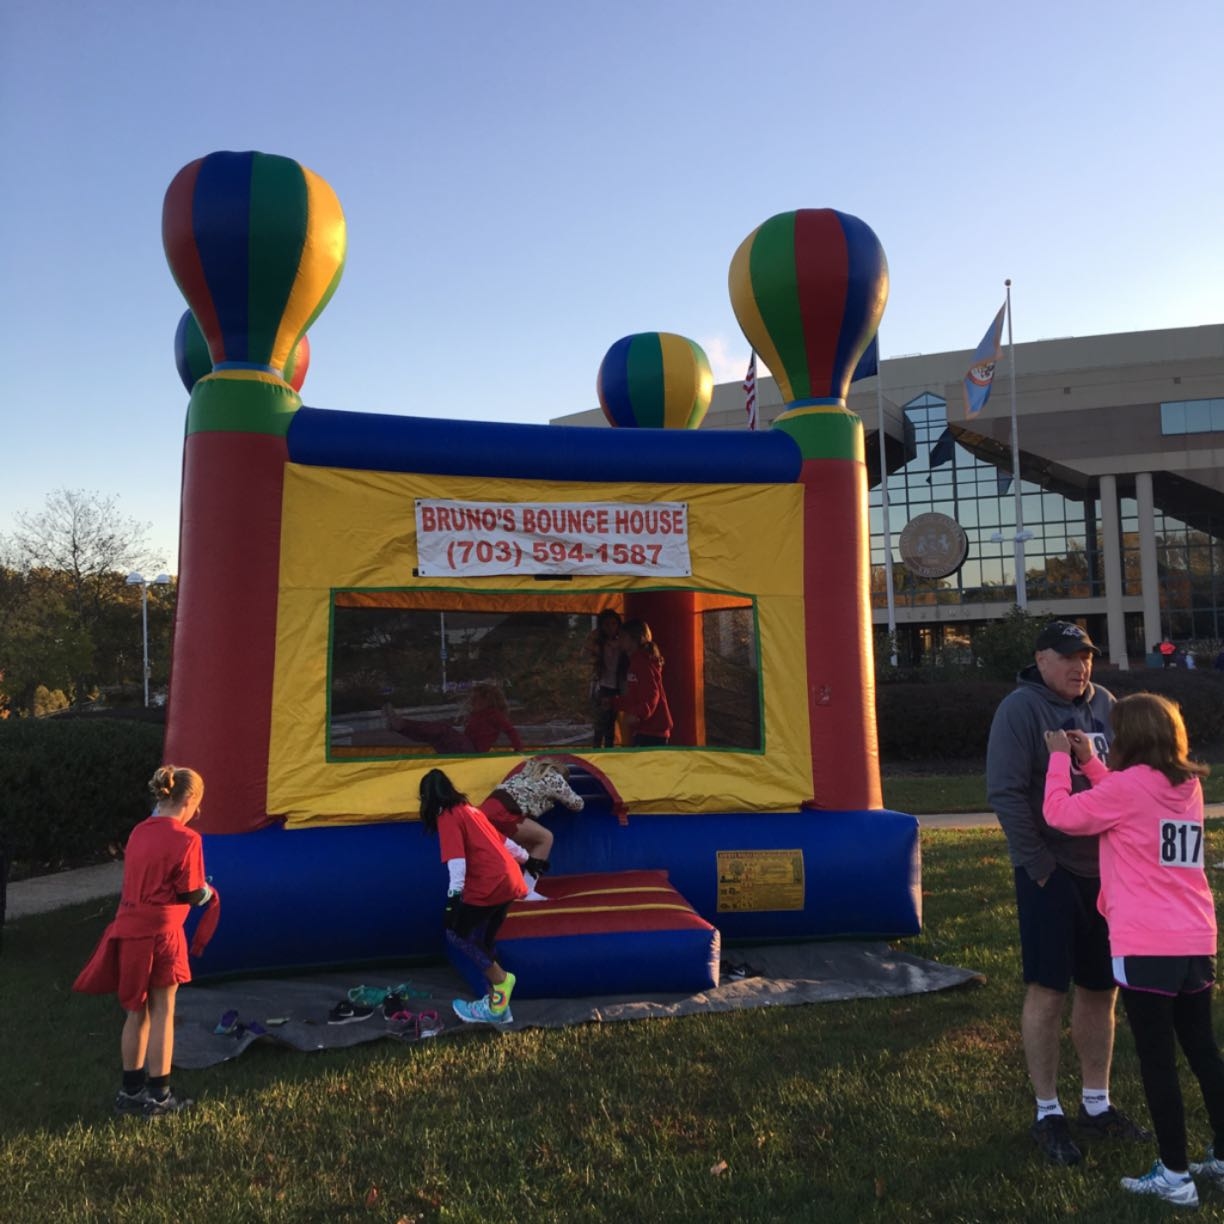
70 788
948 721
1199 693
1003 647
937 722
47 701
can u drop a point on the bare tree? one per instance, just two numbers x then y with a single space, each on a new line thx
82 535
80 549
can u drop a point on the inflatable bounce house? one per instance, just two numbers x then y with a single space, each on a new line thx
364 597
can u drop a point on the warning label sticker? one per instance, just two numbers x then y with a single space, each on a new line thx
760 880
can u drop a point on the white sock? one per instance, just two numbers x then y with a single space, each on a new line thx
1048 1109
1174 1179
1096 1101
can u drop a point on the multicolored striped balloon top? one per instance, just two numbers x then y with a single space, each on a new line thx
655 380
192 359
256 243
809 288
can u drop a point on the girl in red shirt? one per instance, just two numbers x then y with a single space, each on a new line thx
487 719
644 702
484 880
142 955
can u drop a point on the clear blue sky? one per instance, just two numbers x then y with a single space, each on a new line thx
526 183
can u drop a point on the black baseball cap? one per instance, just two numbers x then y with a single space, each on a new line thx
1065 637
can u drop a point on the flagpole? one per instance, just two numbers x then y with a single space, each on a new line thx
750 391
888 566
1021 584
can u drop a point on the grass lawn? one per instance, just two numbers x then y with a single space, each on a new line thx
929 794
889 1109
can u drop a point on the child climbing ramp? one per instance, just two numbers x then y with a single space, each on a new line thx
483 879
515 807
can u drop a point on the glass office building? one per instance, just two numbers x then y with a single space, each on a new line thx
1063 554
1121 493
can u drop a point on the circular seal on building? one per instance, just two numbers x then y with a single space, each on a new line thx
933 546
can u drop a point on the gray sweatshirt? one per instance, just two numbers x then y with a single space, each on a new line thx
1016 760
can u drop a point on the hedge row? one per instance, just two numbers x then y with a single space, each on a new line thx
70 788
948 721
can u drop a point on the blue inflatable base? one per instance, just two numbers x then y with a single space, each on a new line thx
296 899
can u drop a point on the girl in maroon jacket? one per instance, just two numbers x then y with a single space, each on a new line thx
644 702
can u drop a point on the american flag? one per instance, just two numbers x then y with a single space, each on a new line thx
750 400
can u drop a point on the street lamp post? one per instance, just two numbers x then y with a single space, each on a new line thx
997 537
135 579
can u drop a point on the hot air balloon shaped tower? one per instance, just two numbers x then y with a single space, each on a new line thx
256 244
809 289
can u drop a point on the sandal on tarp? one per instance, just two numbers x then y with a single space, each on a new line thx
230 1026
375 996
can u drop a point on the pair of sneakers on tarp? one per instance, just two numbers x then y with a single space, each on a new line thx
395 1003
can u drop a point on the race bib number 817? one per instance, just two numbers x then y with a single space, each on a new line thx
1181 843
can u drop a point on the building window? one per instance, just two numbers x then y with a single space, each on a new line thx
1062 560
1192 416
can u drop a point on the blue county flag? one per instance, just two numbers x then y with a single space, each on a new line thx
750 392
869 362
980 377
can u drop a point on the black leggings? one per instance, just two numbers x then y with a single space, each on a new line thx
473 932
1156 1020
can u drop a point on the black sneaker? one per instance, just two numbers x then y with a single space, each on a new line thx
160 1107
395 1005
130 1102
1053 1136
346 1013
1112 1124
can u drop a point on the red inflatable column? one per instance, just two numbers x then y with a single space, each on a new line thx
220 708
837 607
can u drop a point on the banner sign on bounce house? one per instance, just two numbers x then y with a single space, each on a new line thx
471 539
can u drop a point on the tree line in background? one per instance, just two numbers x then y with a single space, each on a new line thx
70 623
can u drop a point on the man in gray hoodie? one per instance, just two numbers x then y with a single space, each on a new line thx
1063 938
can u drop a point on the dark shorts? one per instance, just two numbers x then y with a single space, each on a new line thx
1063 938
1166 975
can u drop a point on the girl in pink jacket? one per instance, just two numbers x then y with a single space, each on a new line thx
1147 808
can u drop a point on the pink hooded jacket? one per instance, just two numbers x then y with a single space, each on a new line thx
1154 891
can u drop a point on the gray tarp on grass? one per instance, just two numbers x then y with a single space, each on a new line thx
784 975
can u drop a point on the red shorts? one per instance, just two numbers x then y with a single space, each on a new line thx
500 817
145 964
